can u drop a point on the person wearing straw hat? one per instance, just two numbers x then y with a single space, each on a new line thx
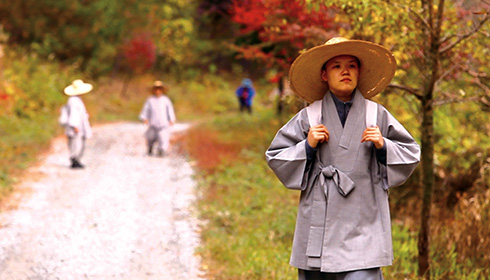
342 163
158 113
77 127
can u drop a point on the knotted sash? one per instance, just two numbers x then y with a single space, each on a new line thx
328 178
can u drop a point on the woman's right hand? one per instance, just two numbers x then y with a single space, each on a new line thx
317 134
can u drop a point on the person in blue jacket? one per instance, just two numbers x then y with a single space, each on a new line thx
245 93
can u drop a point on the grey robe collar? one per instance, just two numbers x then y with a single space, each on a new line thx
344 141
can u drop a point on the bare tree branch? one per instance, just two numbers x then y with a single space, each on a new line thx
465 36
447 38
483 86
461 99
468 70
413 91
447 72
476 75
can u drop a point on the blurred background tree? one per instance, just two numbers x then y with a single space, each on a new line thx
273 33
85 32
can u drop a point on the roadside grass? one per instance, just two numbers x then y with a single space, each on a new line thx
22 140
249 215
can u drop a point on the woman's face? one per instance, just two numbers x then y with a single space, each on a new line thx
158 91
342 74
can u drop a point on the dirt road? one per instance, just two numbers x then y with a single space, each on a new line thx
125 216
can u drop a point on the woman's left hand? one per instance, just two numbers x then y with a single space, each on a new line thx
373 134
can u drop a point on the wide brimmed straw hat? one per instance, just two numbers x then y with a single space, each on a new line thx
78 87
378 67
159 84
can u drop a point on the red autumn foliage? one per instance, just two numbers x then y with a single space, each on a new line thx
140 53
284 27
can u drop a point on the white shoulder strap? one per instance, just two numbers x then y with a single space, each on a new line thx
371 113
314 111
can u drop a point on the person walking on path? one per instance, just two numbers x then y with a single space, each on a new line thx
77 125
245 93
343 155
158 113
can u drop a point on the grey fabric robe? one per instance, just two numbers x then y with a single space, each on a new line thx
158 111
78 117
343 221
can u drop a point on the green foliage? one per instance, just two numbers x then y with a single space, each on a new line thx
205 95
32 90
76 31
405 251
176 36
33 84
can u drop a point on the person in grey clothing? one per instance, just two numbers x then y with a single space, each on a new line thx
158 113
77 126
343 153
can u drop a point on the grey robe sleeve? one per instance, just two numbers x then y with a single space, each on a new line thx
145 112
170 111
286 155
402 151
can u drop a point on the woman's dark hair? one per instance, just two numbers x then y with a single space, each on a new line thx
357 59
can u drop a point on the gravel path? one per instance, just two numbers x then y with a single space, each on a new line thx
125 216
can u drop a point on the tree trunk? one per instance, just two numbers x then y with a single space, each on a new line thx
280 98
428 183
432 57
126 85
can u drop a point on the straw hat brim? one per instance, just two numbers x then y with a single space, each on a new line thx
378 67
159 85
164 88
79 89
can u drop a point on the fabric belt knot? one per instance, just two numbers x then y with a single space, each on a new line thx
329 177
343 183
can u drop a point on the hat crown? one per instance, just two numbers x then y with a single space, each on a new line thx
158 84
77 84
336 40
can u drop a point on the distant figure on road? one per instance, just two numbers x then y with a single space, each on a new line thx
158 114
74 118
245 92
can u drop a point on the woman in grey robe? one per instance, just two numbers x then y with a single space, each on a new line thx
158 113
77 127
342 164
